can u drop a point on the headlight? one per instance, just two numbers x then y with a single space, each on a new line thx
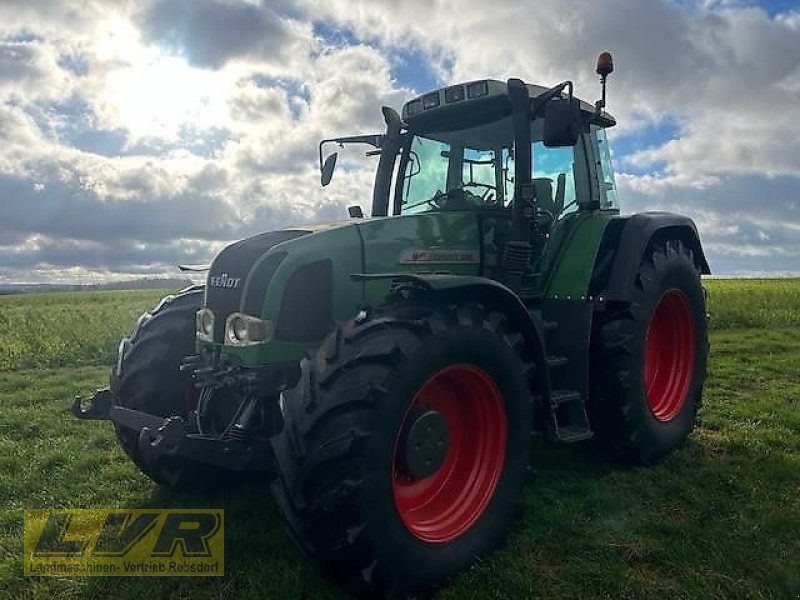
204 321
245 330
239 329
207 323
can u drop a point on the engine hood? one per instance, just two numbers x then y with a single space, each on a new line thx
327 225
245 260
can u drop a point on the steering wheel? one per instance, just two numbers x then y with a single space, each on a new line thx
437 200
455 199
489 189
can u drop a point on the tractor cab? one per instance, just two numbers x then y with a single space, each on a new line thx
456 149
522 158
452 162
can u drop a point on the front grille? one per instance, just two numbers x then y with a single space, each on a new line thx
235 262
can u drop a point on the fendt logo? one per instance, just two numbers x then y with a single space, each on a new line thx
124 542
224 281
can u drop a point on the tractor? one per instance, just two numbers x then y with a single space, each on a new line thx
387 374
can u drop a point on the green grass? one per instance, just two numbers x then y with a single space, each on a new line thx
718 519
753 303
67 329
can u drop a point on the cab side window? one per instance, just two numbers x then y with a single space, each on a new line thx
609 198
554 179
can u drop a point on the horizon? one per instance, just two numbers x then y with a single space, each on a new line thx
198 279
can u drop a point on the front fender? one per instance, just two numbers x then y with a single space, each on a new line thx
487 291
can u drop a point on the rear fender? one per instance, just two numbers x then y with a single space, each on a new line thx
625 242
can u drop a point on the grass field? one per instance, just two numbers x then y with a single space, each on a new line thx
718 519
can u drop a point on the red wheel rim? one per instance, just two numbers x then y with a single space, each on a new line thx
442 506
669 355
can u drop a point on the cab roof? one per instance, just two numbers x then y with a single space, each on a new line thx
473 103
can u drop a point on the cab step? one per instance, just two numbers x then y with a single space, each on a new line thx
568 420
573 433
559 397
555 362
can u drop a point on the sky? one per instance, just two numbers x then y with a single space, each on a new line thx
139 134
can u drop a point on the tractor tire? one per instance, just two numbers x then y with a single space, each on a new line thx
406 446
649 358
148 378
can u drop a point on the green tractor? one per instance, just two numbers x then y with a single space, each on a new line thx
387 373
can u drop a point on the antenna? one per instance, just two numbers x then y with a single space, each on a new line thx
605 66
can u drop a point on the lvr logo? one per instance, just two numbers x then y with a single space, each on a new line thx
106 542
121 531
224 281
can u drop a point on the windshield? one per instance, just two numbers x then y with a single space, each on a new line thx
474 169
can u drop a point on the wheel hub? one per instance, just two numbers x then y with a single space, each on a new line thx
426 444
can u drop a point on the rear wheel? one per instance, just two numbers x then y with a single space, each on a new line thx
649 358
406 446
669 355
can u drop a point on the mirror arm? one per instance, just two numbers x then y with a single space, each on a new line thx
540 101
321 144
374 140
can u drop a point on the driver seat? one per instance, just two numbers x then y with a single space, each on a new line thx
543 191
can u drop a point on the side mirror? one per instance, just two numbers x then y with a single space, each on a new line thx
355 212
326 171
563 122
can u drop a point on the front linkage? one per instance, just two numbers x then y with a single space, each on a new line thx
236 447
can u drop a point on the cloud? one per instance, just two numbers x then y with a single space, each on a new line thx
211 33
717 70
342 94
59 18
253 104
29 71
747 223
113 173
140 134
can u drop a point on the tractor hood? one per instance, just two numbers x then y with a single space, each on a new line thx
227 289
300 280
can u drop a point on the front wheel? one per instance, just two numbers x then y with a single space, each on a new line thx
148 378
649 358
406 446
